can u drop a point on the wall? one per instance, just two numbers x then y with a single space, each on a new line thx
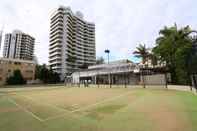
7 68
156 79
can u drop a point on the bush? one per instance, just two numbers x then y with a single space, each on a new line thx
16 79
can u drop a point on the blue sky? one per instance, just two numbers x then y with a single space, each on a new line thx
120 24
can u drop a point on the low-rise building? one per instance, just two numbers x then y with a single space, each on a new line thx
8 66
120 72
117 72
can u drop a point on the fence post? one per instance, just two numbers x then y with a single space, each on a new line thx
125 80
191 81
110 79
195 82
144 86
166 81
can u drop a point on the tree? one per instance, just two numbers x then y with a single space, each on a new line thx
153 58
172 47
192 60
53 77
100 60
71 59
142 52
46 75
16 79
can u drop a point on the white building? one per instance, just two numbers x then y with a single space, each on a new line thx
1 35
72 41
119 73
18 45
116 72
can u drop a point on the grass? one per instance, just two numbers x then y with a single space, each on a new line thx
96 109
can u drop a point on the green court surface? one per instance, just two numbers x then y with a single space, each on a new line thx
97 109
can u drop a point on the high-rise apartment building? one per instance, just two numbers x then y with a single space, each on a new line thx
1 35
18 45
72 41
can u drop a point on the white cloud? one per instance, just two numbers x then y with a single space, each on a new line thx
120 24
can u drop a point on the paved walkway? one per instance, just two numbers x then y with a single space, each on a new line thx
182 88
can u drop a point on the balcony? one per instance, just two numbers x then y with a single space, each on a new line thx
57 49
55 62
56 45
57 34
58 40
58 54
56 37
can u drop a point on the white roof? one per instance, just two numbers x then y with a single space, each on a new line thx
17 60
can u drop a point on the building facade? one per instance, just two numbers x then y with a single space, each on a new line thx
122 72
18 45
72 41
117 72
8 66
1 35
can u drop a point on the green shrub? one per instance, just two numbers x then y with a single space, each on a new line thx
16 79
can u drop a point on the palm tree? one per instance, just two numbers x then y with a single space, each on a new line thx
100 60
153 58
173 47
142 52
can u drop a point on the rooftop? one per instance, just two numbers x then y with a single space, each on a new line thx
16 60
112 64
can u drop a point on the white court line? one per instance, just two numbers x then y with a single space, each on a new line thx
47 104
24 109
87 107
53 106
2 94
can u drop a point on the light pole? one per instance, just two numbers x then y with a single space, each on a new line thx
190 61
107 51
